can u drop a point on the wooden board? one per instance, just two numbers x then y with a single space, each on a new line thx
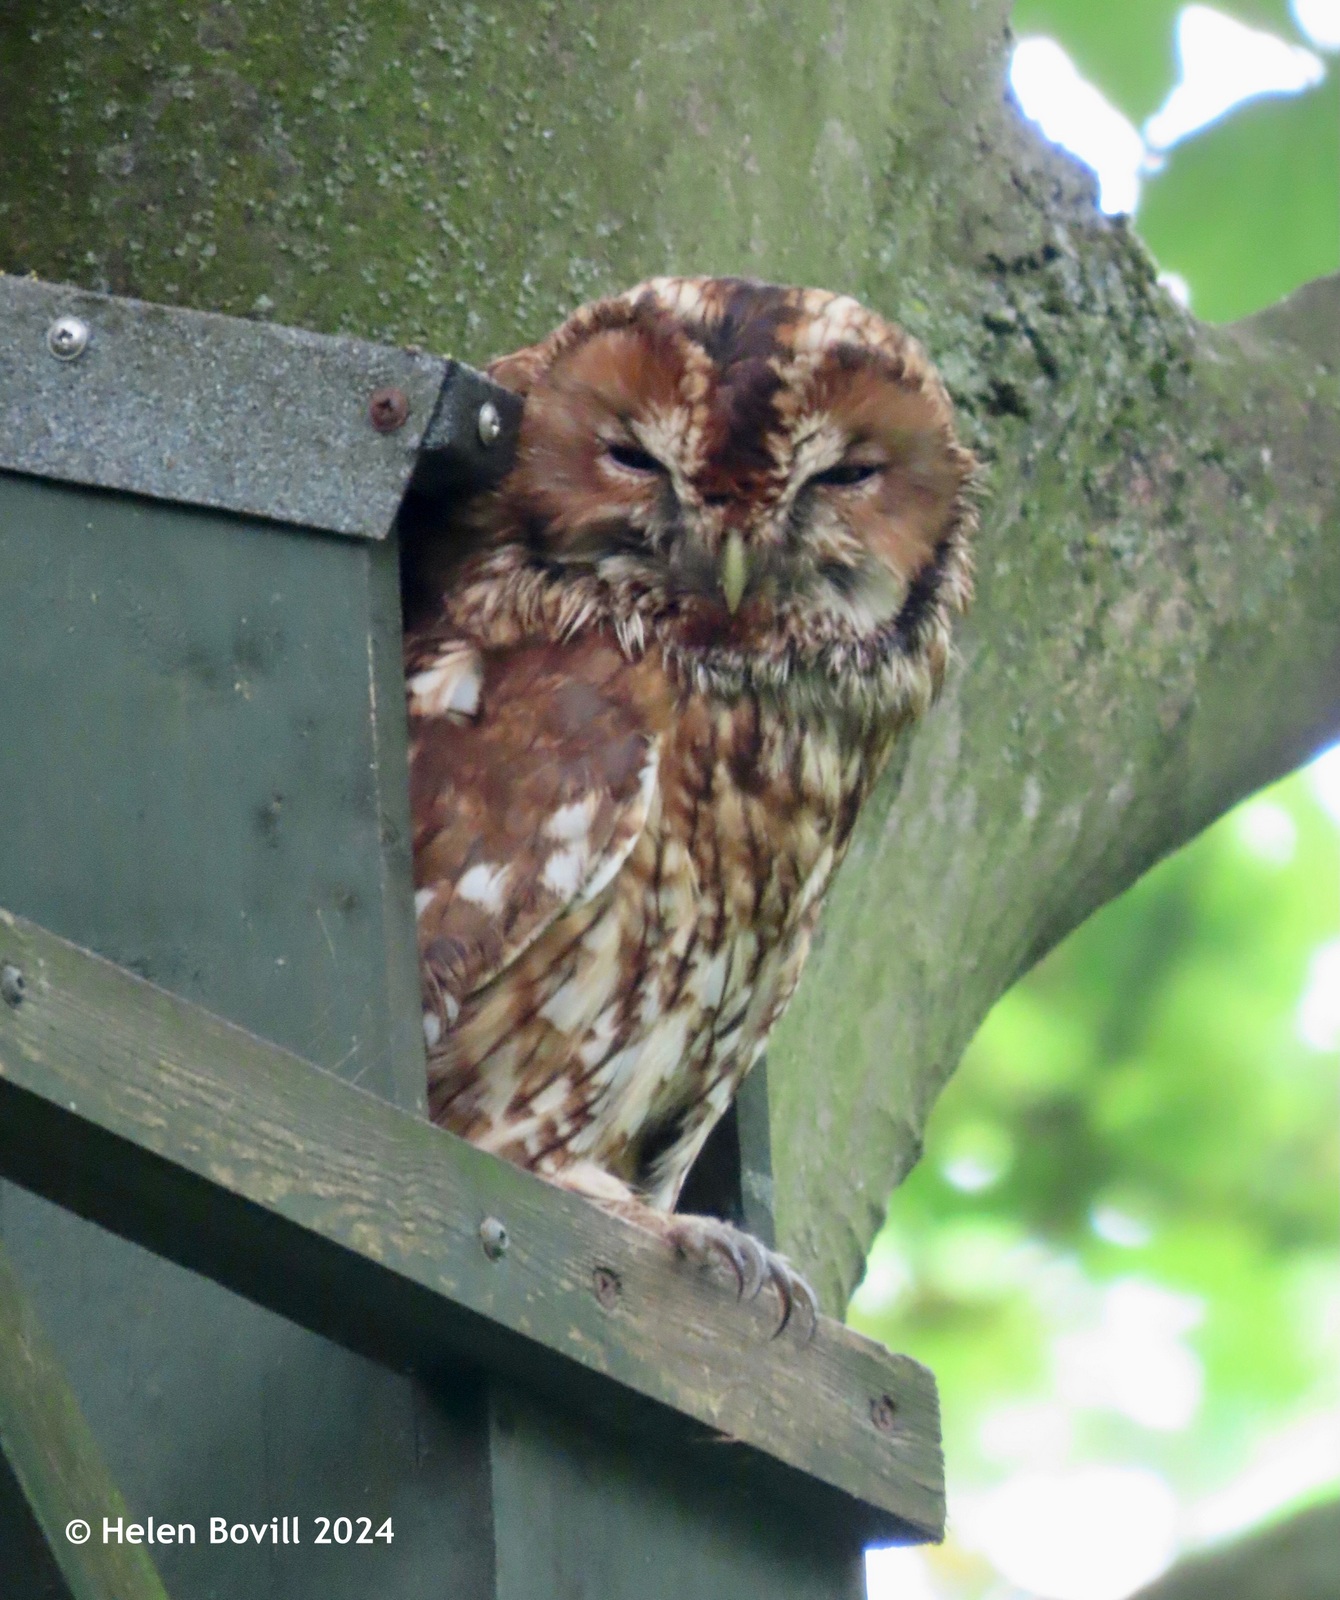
599 1519
52 1475
202 758
144 1113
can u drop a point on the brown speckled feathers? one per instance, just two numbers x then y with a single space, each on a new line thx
663 664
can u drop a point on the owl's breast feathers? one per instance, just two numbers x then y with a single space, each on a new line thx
616 884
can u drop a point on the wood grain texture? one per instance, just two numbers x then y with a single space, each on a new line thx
225 1153
49 1455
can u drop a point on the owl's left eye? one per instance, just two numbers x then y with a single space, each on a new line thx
632 459
847 474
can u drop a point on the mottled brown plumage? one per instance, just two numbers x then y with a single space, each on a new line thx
660 668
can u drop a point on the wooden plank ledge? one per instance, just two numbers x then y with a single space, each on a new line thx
173 1128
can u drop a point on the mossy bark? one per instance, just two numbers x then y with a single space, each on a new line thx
1294 1558
1158 626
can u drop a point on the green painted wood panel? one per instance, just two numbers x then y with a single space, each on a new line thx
591 1518
201 749
52 1475
204 1411
200 741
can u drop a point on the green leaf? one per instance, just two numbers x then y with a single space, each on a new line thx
1249 208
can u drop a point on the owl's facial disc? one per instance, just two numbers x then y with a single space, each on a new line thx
752 470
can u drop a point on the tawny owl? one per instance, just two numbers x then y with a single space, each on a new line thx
661 667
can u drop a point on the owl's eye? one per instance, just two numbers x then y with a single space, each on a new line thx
847 474
632 459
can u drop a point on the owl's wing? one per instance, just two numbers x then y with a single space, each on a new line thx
532 773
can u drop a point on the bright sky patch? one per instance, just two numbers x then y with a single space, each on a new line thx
1320 21
1223 63
1078 117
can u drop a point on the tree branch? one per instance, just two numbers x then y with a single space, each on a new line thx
1157 634
1156 631
1296 1558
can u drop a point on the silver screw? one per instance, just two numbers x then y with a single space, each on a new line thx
13 985
489 424
493 1236
67 338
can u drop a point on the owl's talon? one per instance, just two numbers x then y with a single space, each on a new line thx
703 1240
753 1261
758 1263
734 1258
783 1288
792 1290
699 1239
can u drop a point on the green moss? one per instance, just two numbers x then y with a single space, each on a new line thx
455 175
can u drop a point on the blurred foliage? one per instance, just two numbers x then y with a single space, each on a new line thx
1249 207
1127 47
1140 1107
1141 1110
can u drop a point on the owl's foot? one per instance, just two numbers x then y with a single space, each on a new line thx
721 1248
708 1242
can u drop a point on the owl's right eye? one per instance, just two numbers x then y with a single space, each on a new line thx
632 459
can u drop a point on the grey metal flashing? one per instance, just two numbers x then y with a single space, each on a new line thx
216 411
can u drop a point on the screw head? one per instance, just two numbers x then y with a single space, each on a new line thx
884 1412
67 338
488 424
388 409
608 1286
13 985
493 1237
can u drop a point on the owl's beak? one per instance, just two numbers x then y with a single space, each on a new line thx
734 571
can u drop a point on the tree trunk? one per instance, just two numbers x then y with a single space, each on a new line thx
1157 629
1298 1559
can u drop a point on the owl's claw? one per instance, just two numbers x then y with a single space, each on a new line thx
792 1291
714 1245
703 1240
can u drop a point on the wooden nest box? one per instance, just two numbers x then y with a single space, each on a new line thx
243 1278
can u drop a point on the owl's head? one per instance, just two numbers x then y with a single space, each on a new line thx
765 481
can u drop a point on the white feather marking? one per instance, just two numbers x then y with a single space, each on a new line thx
432 1028
563 871
569 1006
630 828
596 1046
589 992
451 685
818 878
553 1097
707 979
725 1043
484 885
572 821
423 898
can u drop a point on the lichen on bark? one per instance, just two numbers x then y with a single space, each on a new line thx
1157 628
